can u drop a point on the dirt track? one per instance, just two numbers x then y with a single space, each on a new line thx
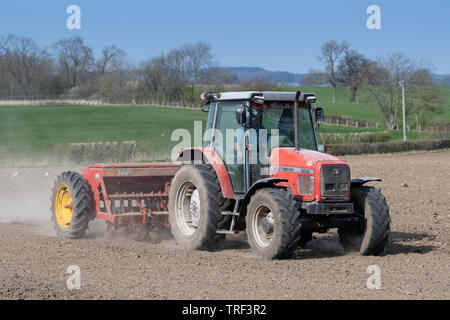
33 261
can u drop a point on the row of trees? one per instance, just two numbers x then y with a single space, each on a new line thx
344 66
69 68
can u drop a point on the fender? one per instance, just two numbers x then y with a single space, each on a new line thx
260 184
207 155
357 182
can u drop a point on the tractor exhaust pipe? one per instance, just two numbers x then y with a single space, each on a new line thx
297 144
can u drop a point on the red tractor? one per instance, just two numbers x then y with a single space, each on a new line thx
260 170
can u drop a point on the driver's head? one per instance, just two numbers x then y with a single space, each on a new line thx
256 117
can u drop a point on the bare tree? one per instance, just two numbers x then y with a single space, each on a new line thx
196 57
259 84
216 77
331 51
75 59
352 71
112 59
383 85
28 67
168 75
153 73
421 96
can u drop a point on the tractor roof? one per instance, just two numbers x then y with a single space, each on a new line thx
265 95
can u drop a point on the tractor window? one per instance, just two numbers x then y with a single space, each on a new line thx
209 124
306 131
281 117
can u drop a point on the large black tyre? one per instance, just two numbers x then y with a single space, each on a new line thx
272 224
194 207
305 237
71 205
371 236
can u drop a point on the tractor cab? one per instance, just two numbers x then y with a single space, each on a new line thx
246 130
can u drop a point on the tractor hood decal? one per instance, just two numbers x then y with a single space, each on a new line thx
303 158
292 169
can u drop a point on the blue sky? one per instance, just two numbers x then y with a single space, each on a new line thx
276 35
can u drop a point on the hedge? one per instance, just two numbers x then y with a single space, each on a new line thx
389 147
356 137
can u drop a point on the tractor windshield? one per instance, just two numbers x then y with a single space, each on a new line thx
280 116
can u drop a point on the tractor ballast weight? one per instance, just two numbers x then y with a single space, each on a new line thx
203 196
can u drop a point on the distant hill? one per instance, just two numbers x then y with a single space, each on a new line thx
285 77
441 79
247 73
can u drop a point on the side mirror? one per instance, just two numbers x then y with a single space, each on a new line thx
319 115
241 115
205 108
324 148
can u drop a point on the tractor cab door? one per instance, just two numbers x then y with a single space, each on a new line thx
226 140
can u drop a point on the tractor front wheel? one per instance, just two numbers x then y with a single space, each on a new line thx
273 226
371 235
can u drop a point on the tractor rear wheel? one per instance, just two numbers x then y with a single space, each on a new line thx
71 208
371 236
194 207
273 226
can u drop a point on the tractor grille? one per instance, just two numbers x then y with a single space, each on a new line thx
334 182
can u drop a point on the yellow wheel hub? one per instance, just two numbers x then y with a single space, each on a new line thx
63 206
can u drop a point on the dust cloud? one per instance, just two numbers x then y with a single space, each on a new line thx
25 198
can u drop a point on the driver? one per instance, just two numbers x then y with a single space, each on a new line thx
257 139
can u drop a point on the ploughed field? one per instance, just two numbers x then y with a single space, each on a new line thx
33 261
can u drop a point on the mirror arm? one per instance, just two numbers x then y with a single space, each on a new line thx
297 144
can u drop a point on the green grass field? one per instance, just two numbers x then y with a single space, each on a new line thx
28 130
36 130
362 109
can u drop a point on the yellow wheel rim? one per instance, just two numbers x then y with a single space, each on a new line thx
63 206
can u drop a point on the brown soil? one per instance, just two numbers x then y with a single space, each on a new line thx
33 261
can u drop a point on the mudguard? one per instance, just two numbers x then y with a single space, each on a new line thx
260 184
363 180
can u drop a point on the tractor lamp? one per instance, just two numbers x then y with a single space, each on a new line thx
258 100
209 96
310 99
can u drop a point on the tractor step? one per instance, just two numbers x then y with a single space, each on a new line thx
228 232
229 213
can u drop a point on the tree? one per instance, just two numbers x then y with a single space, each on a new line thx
168 75
216 77
383 85
352 71
27 67
421 96
75 59
258 84
331 51
153 73
112 59
197 56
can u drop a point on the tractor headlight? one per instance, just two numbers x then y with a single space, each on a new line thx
305 185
